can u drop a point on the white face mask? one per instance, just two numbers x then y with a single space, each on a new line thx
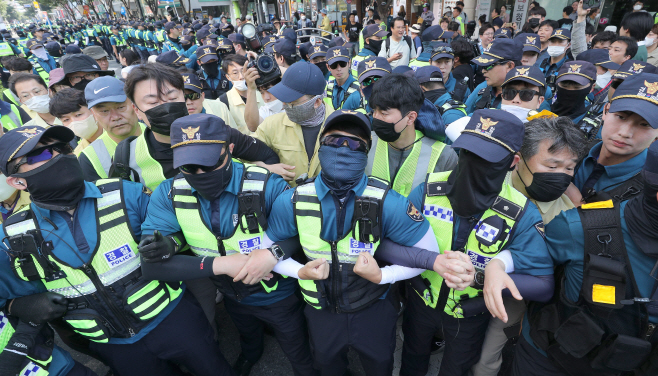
5 189
603 79
270 108
637 7
303 18
240 85
519 112
40 53
554 51
39 104
649 41
84 128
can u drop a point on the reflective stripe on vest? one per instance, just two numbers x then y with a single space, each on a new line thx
355 64
308 218
409 175
354 86
40 71
12 120
149 170
439 213
415 64
100 154
5 49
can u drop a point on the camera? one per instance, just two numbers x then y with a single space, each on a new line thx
268 69
264 28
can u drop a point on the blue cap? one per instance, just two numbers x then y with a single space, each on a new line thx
206 53
405 70
198 139
428 73
374 30
503 32
285 47
564 34
317 51
236 38
339 53
492 135
500 49
268 40
637 94
632 67
531 75
582 72
339 41
355 118
224 44
104 89
301 78
373 66
303 49
32 43
598 57
530 42
435 33
290 34
192 82
442 50
72 49
169 25
20 141
172 58
202 34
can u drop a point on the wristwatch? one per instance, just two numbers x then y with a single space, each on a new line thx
479 278
277 252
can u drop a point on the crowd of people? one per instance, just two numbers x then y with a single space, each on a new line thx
496 190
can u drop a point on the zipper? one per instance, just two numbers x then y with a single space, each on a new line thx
651 328
91 273
335 265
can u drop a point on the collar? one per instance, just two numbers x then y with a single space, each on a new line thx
91 192
559 63
348 82
634 164
322 190
233 186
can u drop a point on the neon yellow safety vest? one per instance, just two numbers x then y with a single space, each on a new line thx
160 36
149 170
11 120
415 64
509 206
355 64
121 296
204 243
33 367
100 153
354 87
40 71
344 290
410 175
5 49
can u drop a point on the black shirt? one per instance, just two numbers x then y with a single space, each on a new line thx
464 70
353 30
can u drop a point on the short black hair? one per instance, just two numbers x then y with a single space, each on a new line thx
396 91
66 101
22 77
604 36
376 17
483 19
289 60
496 9
550 23
17 64
485 27
631 45
130 56
453 26
158 72
432 85
457 8
401 19
568 10
538 11
229 59
562 133
638 24
589 29
462 49
460 3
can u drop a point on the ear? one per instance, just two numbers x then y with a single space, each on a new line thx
413 115
541 100
17 183
516 160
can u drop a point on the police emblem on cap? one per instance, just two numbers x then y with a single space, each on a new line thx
574 68
523 71
558 32
652 87
637 68
186 79
503 31
30 132
486 126
317 48
371 64
482 60
349 112
206 50
191 133
336 53
272 39
530 39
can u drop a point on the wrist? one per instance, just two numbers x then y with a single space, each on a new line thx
439 264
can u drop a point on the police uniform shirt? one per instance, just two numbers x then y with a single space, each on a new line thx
401 222
450 115
527 245
79 233
339 92
162 217
353 102
47 65
613 175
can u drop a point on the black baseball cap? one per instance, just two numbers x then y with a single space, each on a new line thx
172 58
598 57
428 73
354 118
301 78
530 74
637 94
580 71
20 141
198 139
435 32
492 135
201 34
285 47
632 67
500 49
530 42
236 38
169 25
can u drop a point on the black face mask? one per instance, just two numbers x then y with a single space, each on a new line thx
211 185
375 46
82 84
433 95
323 67
475 183
57 184
546 186
386 131
570 102
160 117
211 69
641 214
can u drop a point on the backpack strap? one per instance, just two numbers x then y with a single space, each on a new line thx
121 163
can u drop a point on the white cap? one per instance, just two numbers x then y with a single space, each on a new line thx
611 28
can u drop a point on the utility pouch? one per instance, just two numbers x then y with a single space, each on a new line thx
89 324
27 261
650 367
366 214
604 281
579 334
473 306
621 353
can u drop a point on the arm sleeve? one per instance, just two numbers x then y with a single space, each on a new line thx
252 149
11 362
136 206
24 116
412 257
88 169
288 267
402 222
178 268
394 273
538 288
281 224
578 38
447 160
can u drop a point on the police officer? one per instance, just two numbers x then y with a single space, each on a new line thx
200 144
471 209
54 233
117 41
341 84
574 83
370 70
531 47
430 38
215 82
558 46
372 35
627 69
42 62
431 82
196 102
400 153
607 286
317 55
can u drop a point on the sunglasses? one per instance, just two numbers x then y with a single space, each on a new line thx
335 65
369 81
354 143
526 95
193 96
44 153
494 65
193 168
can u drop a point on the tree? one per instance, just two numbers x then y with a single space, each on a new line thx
383 8
243 4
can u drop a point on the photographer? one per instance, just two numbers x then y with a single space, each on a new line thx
235 99
254 114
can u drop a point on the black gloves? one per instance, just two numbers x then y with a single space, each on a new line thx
19 345
157 248
39 308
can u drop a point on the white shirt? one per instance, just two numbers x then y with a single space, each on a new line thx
401 47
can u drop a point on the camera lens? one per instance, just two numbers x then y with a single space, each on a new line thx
265 64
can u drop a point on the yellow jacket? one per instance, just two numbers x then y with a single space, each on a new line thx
326 25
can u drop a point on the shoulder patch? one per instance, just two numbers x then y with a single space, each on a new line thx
413 213
539 226
146 190
482 91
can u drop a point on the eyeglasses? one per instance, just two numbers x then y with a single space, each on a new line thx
335 65
193 168
526 95
89 76
354 143
193 96
37 91
369 81
44 153
490 67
